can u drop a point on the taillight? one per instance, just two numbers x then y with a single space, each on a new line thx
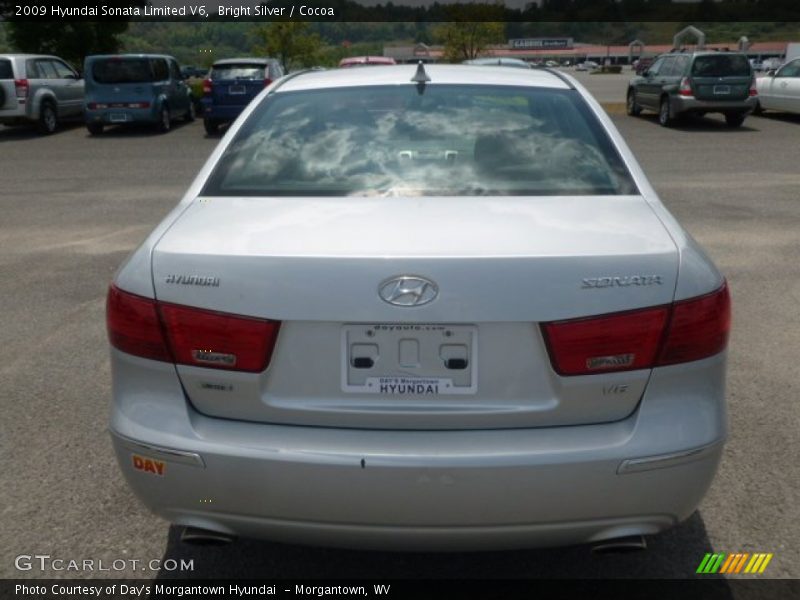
22 86
642 339
267 81
699 328
753 88
207 87
618 342
685 88
205 338
133 325
138 105
187 335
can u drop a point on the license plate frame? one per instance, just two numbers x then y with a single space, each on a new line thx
237 90
393 375
722 90
118 117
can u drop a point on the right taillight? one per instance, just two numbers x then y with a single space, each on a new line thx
207 87
642 339
187 335
698 328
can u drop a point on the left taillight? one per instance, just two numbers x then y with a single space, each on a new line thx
207 86
205 338
22 88
133 325
685 88
682 332
187 335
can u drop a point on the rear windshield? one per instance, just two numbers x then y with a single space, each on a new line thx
448 140
238 72
6 72
128 70
722 65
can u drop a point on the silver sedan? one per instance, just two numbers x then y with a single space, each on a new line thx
410 308
780 89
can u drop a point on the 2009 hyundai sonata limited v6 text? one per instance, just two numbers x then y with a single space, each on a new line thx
401 309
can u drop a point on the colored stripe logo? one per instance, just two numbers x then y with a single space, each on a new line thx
733 564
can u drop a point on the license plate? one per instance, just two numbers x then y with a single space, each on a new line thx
404 386
722 89
118 117
409 360
237 89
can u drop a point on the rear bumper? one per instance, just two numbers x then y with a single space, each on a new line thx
17 114
683 104
222 112
117 116
422 489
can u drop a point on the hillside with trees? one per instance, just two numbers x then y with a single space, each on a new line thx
201 43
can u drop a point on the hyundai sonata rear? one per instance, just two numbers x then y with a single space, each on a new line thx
406 310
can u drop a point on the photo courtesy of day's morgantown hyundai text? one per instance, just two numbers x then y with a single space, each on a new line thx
420 307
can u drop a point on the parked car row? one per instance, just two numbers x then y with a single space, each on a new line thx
151 88
125 89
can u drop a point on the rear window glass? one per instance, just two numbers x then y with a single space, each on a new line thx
6 72
129 70
722 65
449 140
238 72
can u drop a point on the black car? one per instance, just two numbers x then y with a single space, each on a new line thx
699 82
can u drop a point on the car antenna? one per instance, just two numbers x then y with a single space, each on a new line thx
420 78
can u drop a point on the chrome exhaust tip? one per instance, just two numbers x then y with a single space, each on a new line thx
205 537
625 545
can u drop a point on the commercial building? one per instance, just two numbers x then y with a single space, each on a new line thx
563 50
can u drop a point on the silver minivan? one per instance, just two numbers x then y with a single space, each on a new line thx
39 89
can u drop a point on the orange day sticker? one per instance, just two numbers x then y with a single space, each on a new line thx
148 465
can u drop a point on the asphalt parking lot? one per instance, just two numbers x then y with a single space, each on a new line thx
72 208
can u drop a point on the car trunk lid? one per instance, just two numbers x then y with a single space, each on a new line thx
318 266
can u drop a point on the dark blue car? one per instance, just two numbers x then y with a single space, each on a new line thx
232 84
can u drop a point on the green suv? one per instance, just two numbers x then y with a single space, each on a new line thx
701 82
